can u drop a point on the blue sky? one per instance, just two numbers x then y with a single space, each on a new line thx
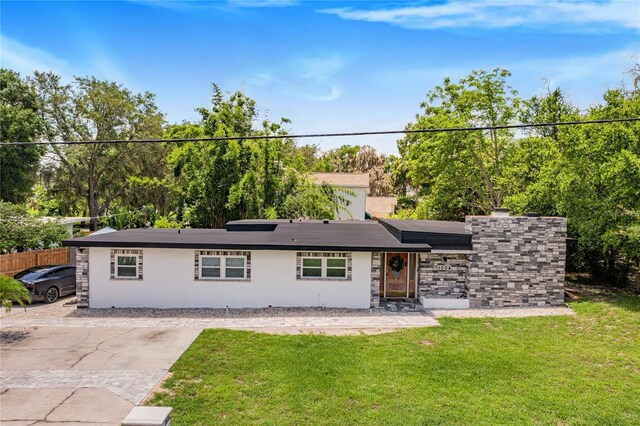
328 66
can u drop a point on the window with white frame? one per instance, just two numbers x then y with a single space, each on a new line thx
126 266
324 267
223 267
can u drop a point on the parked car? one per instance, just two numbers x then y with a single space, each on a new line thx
48 283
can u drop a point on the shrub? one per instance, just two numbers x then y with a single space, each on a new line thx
12 291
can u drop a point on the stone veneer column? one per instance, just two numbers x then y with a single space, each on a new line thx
516 261
82 277
375 280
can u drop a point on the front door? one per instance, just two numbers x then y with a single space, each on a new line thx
396 278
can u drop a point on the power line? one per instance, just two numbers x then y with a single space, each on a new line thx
328 135
85 218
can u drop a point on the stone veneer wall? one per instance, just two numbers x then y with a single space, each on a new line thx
82 277
516 261
434 282
375 279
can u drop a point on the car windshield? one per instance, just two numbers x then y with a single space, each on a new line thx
31 274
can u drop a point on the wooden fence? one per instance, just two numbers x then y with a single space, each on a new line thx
13 263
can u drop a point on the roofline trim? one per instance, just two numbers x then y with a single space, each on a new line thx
264 247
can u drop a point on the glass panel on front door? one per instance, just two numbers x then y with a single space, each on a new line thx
399 275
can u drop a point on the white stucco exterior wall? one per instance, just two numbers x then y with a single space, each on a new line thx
168 282
356 208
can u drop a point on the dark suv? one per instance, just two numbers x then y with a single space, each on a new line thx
48 283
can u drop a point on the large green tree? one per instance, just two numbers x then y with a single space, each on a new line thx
19 122
88 110
591 175
236 179
458 173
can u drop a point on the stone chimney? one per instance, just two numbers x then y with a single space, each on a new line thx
516 261
499 212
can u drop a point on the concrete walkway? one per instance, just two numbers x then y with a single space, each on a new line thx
256 324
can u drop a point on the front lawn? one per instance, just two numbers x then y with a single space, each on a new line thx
550 370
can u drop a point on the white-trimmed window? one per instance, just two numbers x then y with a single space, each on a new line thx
223 267
324 267
126 266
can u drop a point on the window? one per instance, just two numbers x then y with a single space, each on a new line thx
324 267
64 272
126 266
312 267
234 267
337 268
223 267
210 267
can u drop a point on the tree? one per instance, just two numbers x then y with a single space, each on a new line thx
531 162
459 173
21 232
237 179
19 122
553 107
88 110
12 291
359 159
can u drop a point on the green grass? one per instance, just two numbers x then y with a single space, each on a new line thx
580 370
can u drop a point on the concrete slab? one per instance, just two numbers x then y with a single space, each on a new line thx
30 404
91 405
84 375
61 348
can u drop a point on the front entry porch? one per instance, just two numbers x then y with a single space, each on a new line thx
402 306
398 278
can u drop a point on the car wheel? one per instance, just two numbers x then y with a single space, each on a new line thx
51 295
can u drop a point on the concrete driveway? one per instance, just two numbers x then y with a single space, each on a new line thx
84 375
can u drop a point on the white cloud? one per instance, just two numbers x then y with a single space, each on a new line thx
311 78
26 59
320 68
582 77
503 14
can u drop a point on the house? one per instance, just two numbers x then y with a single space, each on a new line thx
381 207
485 261
355 187
66 221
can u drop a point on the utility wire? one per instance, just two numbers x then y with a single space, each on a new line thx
327 135
86 218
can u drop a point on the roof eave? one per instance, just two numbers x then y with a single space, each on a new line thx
208 246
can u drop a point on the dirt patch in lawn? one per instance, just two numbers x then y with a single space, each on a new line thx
10 335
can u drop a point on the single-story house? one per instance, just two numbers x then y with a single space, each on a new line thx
486 261
356 186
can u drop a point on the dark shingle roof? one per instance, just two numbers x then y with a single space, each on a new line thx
297 235
438 234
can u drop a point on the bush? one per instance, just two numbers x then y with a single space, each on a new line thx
12 291
21 232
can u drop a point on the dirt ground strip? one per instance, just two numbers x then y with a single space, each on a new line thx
502 312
